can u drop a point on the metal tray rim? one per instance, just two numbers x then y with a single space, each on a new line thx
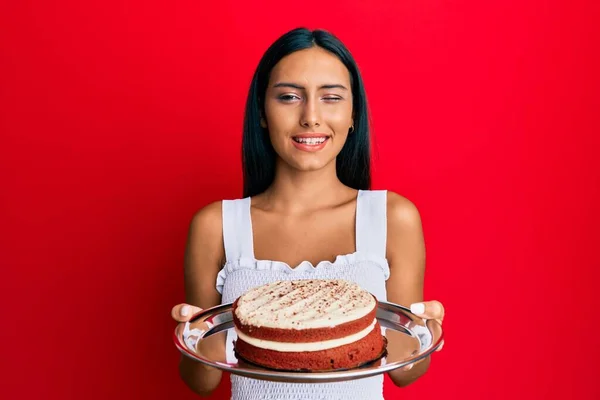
434 330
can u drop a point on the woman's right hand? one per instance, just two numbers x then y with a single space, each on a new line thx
183 312
212 347
201 378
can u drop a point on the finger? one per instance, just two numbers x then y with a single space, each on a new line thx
183 312
411 365
441 346
408 367
428 310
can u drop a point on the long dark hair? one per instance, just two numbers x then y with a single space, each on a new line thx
353 164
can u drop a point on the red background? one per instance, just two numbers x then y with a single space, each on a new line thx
118 120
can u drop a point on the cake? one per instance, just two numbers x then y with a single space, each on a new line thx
308 325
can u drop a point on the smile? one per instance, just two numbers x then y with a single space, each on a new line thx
312 141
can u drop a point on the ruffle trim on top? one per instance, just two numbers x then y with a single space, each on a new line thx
305 266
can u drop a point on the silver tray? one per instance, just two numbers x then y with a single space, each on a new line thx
208 338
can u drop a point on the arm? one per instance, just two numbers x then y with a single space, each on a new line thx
406 257
203 260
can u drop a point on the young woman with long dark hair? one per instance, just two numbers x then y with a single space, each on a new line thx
307 210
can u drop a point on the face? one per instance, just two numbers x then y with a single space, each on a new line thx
308 108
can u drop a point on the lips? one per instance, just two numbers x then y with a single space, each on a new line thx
310 141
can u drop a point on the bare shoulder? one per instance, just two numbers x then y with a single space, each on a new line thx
402 213
204 256
208 220
405 248
206 232
205 239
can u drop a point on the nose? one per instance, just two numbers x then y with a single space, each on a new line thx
310 114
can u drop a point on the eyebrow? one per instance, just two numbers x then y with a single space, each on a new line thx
296 86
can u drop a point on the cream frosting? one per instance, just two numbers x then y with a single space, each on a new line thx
304 304
308 346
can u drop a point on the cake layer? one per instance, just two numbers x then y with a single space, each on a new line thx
352 355
304 335
304 304
306 346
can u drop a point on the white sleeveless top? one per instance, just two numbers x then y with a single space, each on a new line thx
367 267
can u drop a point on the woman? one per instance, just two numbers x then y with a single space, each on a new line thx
307 211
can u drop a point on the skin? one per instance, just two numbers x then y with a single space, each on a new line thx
307 213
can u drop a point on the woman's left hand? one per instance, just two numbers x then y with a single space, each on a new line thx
428 310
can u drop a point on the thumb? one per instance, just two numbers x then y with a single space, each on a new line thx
429 310
183 312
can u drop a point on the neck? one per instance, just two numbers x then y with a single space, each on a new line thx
299 191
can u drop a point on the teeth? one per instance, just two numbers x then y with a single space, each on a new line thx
310 141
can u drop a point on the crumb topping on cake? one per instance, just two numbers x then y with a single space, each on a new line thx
304 304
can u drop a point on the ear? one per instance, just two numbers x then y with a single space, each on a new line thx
263 123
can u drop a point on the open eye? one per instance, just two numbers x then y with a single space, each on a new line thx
288 97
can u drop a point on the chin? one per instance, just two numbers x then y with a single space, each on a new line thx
307 162
310 165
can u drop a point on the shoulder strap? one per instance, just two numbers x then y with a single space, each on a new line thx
371 222
237 229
